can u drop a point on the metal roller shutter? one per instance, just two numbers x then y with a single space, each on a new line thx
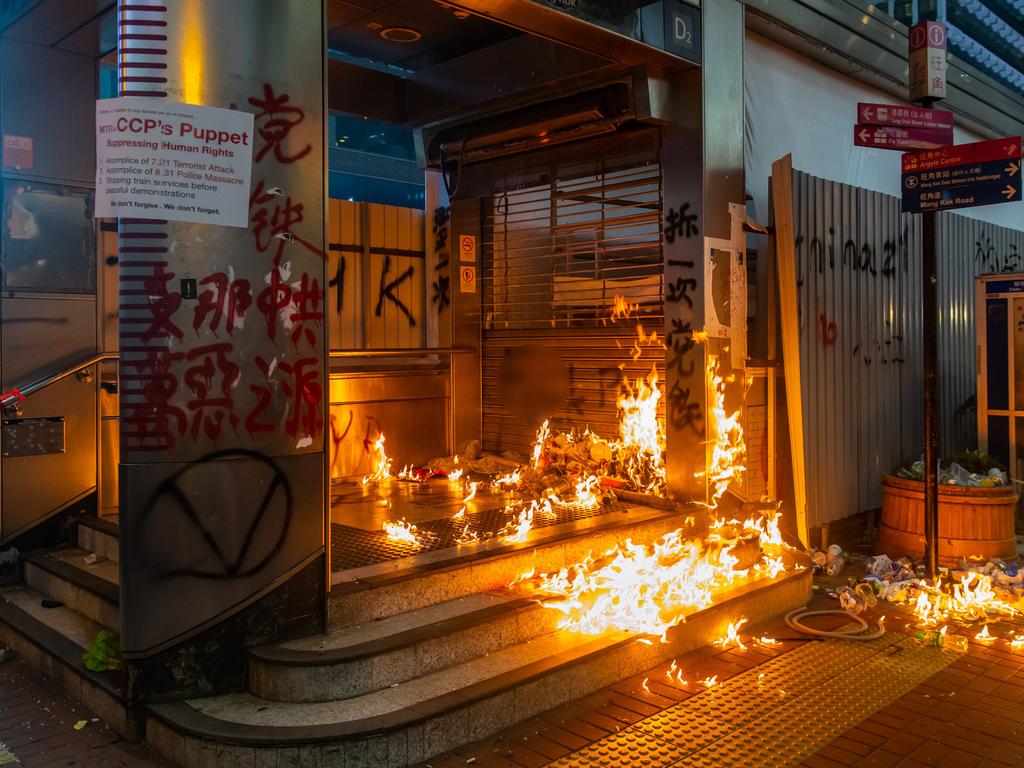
560 241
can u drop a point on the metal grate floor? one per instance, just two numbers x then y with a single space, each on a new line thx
775 714
356 547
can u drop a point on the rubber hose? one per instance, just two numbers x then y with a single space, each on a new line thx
794 621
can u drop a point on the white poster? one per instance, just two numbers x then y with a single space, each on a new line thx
157 159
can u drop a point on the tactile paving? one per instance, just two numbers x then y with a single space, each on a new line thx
777 713
631 748
684 728
572 761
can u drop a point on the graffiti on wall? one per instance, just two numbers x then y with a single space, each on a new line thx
683 410
195 393
443 282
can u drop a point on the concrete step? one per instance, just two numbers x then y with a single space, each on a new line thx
362 595
52 641
99 535
414 720
89 589
353 661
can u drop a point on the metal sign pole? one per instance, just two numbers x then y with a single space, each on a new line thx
929 329
927 65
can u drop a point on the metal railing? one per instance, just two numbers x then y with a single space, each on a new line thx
18 394
401 352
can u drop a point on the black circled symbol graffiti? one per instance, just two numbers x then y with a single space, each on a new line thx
170 492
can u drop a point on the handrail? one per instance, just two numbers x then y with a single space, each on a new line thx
16 395
350 353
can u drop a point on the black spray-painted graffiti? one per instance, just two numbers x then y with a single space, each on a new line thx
893 256
988 259
338 282
882 352
682 412
206 554
442 285
387 290
680 223
679 341
680 289
574 403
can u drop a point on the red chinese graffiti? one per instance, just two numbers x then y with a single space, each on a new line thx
152 421
211 378
225 300
829 331
254 421
301 385
162 305
305 309
275 120
273 215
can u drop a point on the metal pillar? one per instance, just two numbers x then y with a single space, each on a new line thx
223 446
930 354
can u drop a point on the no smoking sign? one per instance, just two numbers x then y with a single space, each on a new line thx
467 247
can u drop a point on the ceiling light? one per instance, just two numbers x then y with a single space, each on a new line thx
400 34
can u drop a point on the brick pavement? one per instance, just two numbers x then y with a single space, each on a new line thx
969 714
37 725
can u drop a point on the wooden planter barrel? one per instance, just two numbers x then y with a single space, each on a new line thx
975 523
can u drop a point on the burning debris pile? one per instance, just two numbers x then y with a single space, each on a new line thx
971 595
650 589
646 589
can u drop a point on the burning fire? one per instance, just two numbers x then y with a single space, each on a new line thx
675 674
642 589
970 599
729 449
538 447
455 474
381 462
650 589
732 636
402 532
519 529
641 445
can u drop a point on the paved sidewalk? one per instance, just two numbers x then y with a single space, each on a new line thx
969 713
37 727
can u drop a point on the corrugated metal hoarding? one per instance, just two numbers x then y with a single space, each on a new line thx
859 287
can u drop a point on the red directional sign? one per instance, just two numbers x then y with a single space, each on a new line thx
891 137
870 113
964 176
963 154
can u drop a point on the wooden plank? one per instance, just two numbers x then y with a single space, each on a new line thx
789 318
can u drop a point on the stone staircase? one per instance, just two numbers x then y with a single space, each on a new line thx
64 602
421 655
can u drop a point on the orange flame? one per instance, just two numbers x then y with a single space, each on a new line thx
732 636
380 461
970 599
729 449
402 532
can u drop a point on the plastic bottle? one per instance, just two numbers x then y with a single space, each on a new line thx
938 639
